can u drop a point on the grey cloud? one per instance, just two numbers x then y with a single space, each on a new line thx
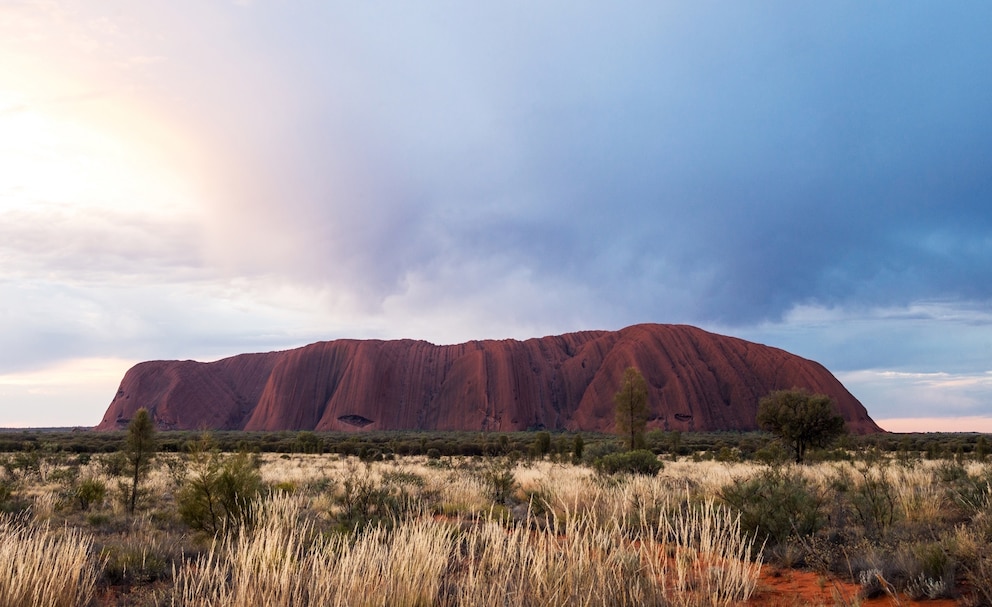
97 245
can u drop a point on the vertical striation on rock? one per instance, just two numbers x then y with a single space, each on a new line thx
697 381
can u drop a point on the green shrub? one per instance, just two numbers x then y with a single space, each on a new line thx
370 455
98 519
24 464
90 491
874 500
364 503
597 450
219 492
973 492
114 464
640 461
308 442
775 505
10 500
7 487
66 476
287 487
499 480
931 571
577 447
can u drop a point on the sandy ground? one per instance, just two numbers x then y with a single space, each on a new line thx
791 588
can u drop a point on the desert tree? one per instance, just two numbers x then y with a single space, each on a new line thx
139 449
631 402
801 419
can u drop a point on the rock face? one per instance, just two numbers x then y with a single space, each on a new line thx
697 381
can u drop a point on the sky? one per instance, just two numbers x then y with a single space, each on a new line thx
197 179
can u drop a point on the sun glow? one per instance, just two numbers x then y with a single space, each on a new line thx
73 392
55 158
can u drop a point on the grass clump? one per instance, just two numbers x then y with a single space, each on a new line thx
44 567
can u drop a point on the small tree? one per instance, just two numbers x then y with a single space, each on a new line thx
632 409
218 492
800 418
139 449
577 446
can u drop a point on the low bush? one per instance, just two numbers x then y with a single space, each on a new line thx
596 451
640 461
498 479
133 563
775 505
11 501
114 464
89 492
930 571
365 502
7 488
874 499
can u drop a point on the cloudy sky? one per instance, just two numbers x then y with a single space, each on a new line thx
195 179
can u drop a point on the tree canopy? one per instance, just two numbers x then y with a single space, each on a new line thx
800 418
632 408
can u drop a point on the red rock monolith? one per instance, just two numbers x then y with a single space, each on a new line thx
697 381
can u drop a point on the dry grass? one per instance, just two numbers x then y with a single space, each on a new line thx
422 561
712 557
564 536
45 567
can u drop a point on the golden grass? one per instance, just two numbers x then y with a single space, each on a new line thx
567 536
712 558
699 557
43 567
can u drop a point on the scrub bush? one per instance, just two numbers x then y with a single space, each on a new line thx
219 491
775 505
640 461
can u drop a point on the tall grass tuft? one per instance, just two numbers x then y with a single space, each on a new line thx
715 564
420 561
288 564
44 567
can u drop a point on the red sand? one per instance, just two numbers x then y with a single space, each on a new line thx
789 588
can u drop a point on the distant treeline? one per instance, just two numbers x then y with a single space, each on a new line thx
730 446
